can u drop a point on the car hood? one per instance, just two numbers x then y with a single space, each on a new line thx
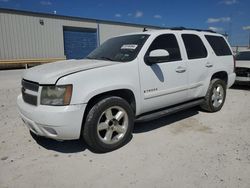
51 72
245 64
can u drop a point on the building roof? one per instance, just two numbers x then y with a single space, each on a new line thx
74 18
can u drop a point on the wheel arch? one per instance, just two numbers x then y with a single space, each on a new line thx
220 75
126 94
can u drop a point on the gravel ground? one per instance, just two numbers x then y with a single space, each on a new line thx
188 149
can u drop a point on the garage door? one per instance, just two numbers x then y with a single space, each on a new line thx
79 42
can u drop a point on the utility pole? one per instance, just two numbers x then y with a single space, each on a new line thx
230 25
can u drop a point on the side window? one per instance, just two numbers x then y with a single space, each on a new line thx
219 45
169 43
194 46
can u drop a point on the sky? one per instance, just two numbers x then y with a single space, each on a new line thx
223 16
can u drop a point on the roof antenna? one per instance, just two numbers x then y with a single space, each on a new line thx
145 29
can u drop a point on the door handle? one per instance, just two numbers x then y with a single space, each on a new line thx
180 69
209 65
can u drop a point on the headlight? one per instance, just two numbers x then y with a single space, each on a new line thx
56 95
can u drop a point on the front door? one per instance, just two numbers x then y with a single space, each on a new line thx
165 83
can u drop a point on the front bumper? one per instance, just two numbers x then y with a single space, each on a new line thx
242 75
57 122
242 79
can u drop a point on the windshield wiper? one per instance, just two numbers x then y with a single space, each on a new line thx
101 58
105 58
89 58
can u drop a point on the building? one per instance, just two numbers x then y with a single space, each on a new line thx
39 37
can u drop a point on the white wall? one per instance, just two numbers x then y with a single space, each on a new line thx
107 30
23 37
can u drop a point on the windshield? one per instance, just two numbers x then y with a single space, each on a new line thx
122 49
243 56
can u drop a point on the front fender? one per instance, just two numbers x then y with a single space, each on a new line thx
90 83
98 91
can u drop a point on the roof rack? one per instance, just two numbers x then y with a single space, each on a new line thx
192 29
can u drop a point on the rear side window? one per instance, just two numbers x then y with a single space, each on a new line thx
194 46
219 45
169 43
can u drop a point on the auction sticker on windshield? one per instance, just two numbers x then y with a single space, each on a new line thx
129 47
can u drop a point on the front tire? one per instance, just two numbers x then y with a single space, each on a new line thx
109 124
216 95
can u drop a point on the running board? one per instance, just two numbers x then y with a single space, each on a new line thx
169 110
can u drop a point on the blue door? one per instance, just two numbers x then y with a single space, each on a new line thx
79 42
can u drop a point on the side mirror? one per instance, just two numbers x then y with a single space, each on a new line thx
157 56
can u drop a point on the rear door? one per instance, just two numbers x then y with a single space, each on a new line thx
198 64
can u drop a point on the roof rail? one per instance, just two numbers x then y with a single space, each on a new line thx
192 29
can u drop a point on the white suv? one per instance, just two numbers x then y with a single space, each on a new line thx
139 76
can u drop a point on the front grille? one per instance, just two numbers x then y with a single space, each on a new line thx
33 86
242 72
30 86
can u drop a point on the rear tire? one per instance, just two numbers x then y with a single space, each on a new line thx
109 124
215 96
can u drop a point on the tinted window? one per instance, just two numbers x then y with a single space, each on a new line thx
194 46
122 49
219 45
169 43
243 56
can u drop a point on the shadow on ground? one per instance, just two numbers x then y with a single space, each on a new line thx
141 127
75 146
67 146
